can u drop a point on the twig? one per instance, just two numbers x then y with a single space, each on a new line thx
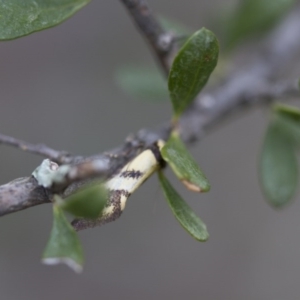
61 157
160 41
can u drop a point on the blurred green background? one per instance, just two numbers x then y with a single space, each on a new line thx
58 87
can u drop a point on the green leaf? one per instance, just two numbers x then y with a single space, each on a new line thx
254 16
63 245
191 69
86 203
144 83
288 117
22 17
278 166
183 213
290 112
183 165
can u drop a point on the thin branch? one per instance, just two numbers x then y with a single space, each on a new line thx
159 40
61 157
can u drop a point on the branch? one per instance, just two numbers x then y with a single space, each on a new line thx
61 157
22 193
25 192
252 85
160 41
255 83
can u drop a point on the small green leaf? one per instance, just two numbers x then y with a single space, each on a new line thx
63 245
288 117
183 213
278 166
191 69
87 202
183 165
144 83
22 17
254 16
288 111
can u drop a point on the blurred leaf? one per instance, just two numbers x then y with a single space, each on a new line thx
175 26
63 245
288 117
291 112
191 69
22 17
183 213
142 83
87 202
278 166
184 166
254 16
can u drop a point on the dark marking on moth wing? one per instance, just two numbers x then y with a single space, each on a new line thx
134 174
115 197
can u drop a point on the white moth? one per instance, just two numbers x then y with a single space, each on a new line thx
124 183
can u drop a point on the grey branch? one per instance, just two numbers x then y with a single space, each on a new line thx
252 84
61 157
22 193
160 41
